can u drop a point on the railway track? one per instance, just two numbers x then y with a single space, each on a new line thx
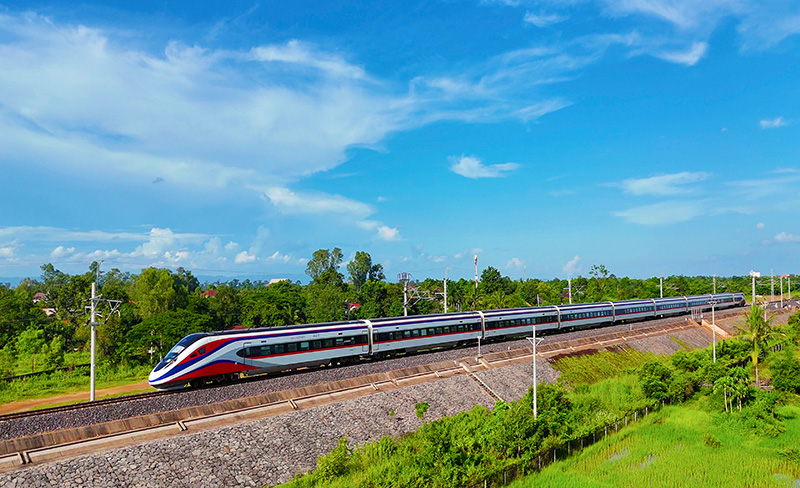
57 445
82 405
105 402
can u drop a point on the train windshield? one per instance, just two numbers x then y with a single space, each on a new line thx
178 348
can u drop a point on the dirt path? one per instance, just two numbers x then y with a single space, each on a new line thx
70 397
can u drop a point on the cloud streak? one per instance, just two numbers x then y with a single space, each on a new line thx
663 185
472 167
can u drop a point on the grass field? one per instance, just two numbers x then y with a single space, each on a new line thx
60 383
682 446
591 368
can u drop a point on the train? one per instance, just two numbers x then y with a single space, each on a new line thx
224 356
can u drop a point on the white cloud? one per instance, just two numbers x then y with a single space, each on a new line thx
688 57
515 263
231 246
7 252
298 53
83 99
162 240
290 202
100 254
573 266
277 256
663 213
543 19
772 123
662 185
760 225
61 251
244 257
471 167
784 237
387 233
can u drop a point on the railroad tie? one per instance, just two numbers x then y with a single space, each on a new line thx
293 404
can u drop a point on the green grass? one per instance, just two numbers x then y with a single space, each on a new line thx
25 363
675 448
602 365
60 383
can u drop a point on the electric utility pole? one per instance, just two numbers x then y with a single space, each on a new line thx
93 323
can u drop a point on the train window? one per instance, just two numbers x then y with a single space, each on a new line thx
202 350
423 332
327 343
316 345
415 333
304 346
192 354
339 341
432 331
406 333
292 347
278 348
446 330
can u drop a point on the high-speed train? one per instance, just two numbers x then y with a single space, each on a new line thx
224 356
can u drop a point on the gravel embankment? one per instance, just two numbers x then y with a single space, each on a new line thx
93 415
257 453
512 382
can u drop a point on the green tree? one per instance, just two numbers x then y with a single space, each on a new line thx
725 385
326 302
361 270
8 361
786 372
31 342
164 330
758 332
655 379
597 285
54 353
278 304
324 266
154 292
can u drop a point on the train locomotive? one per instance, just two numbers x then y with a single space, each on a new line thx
224 356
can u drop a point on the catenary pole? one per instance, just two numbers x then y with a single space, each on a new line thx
93 326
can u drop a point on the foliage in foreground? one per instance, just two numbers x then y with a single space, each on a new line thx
724 411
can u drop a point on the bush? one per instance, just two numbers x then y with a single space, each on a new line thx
334 464
786 372
655 379
711 441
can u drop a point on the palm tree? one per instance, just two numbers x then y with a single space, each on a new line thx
725 384
758 332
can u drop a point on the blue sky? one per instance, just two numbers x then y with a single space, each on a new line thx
656 137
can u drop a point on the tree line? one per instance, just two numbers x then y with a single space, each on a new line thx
42 319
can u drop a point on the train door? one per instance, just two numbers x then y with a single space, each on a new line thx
248 361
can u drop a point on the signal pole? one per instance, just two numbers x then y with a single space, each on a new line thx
476 272
569 288
754 275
